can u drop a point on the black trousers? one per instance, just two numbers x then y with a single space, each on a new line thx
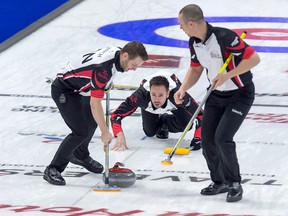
76 112
176 122
224 113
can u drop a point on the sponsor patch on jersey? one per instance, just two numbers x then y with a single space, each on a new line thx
215 55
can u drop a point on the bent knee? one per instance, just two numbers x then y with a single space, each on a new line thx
150 133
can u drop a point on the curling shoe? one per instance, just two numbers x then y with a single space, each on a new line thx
53 176
214 189
88 163
163 132
195 144
234 193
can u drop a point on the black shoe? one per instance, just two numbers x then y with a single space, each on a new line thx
88 163
214 189
163 132
235 192
195 144
53 176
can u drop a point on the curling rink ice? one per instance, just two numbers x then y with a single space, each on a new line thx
31 128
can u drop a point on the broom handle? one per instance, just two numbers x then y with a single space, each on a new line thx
107 92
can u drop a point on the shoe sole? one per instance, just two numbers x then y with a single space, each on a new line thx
233 199
212 193
195 149
162 138
80 164
52 182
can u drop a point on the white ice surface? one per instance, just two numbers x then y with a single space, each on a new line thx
262 145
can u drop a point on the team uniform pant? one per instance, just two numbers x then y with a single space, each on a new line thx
175 122
76 112
224 113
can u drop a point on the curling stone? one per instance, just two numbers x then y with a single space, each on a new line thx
120 177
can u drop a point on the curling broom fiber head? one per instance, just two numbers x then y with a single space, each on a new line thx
167 162
106 188
179 151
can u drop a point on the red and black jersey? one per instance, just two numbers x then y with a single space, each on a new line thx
213 52
141 98
90 74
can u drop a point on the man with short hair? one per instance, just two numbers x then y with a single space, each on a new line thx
160 113
78 92
229 102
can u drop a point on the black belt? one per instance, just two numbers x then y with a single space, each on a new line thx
225 93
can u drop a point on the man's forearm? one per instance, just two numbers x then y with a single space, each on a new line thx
98 114
191 78
245 65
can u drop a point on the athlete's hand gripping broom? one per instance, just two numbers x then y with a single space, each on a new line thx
168 162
